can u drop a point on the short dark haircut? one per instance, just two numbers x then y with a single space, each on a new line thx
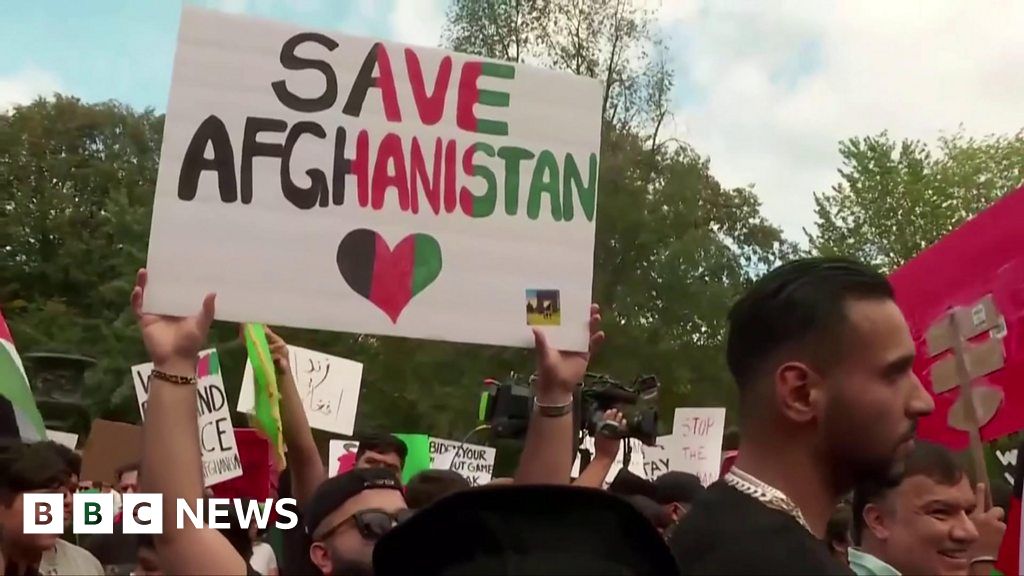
429 486
382 444
929 460
27 467
72 461
126 468
731 439
802 301
838 527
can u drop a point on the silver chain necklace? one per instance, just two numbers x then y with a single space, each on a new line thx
765 494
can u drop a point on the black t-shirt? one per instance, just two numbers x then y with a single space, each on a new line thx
728 532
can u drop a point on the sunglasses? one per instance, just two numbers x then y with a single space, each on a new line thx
372 524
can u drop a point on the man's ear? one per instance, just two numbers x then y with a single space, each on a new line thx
320 557
798 392
875 522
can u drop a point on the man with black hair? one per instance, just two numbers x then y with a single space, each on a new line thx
73 470
128 478
837 533
346 517
36 468
429 486
822 357
381 451
926 522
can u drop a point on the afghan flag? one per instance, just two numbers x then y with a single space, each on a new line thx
267 416
17 406
1009 561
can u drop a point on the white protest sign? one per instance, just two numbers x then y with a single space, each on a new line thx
475 463
341 456
216 434
636 459
697 442
319 180
658 458
66 439
328 386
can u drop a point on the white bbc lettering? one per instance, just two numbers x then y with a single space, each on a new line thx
43 513
218 508
184 509
281 506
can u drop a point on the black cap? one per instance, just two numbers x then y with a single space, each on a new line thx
333 493
627 483
680 487
501 530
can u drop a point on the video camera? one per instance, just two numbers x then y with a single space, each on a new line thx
506 406
636 402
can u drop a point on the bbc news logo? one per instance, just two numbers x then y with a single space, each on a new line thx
144 513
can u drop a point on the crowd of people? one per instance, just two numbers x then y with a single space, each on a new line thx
828 477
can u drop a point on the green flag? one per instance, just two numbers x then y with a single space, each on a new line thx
418 457
14 388
267 418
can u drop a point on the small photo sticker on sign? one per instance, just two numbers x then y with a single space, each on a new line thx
543 308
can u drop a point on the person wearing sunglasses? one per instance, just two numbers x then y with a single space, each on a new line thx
348 514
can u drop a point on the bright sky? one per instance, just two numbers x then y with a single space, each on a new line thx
766 89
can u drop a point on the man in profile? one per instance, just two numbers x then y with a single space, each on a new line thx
927 522
822 357
27 469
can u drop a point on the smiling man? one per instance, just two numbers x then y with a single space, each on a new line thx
923 523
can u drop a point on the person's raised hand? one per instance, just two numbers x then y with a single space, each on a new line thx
279 352
173 343
608 446
558 373
989 524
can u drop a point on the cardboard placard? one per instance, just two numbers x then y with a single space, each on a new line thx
328 386
319 180
658 459
636 459
986 401
698 442
109 446
341 456
971 320
216 434
981 359
475 463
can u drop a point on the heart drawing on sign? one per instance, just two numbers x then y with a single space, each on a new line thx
388 278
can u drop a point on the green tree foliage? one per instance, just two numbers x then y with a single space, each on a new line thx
674 247
76 191
896 198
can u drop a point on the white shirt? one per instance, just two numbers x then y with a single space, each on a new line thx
263 559
66 558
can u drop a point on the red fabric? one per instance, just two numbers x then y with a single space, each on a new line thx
346 462
983 256
728 459
1009 551
257 468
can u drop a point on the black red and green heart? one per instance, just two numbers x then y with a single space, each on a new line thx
389 277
